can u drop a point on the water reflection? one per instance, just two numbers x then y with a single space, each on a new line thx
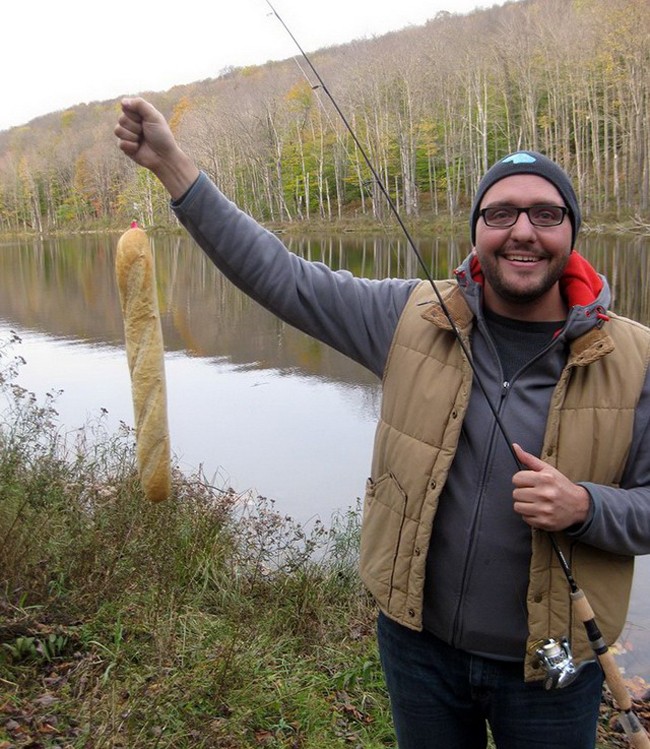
256 403
65 287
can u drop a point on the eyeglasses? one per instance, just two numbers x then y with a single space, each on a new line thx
503 216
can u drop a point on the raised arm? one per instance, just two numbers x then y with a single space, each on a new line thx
355 316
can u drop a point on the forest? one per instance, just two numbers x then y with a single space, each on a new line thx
433 106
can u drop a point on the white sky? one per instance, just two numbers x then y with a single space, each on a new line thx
55 54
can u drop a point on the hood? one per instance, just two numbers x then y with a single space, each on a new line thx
585 291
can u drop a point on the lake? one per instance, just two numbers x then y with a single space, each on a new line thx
252 402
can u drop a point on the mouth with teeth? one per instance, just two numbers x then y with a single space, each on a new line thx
514 258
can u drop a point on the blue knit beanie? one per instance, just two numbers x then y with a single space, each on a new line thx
528 162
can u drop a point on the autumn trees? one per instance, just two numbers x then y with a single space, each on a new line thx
432 106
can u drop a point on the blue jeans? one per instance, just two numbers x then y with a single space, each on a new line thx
443 698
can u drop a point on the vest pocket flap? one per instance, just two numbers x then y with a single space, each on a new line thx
383 520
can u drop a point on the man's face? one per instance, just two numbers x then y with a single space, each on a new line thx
522 263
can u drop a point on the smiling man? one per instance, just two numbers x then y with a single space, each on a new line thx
521 237
452 541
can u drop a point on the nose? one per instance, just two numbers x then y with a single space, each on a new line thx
522 228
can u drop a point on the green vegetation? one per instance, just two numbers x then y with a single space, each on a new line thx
207 621
210 620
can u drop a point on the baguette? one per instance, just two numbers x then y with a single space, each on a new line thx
134 269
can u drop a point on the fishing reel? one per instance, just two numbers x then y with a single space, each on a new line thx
556 659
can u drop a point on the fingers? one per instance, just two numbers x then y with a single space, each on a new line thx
128 140
129 124
136 114
544 497
533 489
138 109
136 130
528 460
129 134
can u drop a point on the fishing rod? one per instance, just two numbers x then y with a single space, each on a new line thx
554 656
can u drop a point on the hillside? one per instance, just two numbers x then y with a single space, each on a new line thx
433 106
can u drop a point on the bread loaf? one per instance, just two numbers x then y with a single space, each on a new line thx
134 269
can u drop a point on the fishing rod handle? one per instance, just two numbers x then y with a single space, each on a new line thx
613 677
635 732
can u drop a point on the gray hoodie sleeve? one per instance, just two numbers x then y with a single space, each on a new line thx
353 315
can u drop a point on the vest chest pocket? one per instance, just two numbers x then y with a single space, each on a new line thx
383 520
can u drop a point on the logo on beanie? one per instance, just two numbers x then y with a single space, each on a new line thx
519 158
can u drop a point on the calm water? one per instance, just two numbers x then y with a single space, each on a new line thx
255 404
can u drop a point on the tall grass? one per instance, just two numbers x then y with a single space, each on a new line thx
207 621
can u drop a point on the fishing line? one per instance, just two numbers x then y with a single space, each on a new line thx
630 722
364 184
380 184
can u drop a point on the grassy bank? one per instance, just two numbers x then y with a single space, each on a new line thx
201 622
207 621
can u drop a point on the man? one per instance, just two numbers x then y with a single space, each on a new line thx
455 540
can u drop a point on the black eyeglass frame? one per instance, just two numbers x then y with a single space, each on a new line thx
563 213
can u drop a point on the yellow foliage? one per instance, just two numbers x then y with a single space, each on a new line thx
179 111
300 96
67 118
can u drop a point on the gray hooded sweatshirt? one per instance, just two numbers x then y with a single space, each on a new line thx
480 550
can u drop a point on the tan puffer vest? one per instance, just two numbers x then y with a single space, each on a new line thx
587 438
